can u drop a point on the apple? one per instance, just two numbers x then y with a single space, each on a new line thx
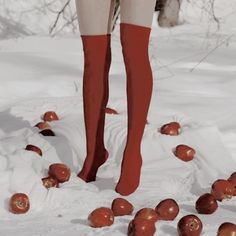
19 203
33 148
167 209
47 132
101 217
232 180
59 171
206 204
43 125
184 152
227 229
49 182
222 189
110 111
171 128
50 116
141 227
189 225
147 213
121 207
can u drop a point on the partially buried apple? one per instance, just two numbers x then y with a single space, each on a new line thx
232 180
147 214
206 204
43 125
34 148
19 203
222 189
47 132
59 171
49 182
101 217
167 209
110 111
171 128
141 227
227 229
184 152
50 116
189 225
121 207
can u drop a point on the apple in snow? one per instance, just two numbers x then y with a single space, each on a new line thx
49 182
59 171
147 214
189 225
206 204
101 217
19 203
121 207
34 148
141 227
222 189
50 116
43 125
184 152
167 209
171 128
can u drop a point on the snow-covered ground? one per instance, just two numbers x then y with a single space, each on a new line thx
194 83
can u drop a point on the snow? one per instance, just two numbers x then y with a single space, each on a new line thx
194 83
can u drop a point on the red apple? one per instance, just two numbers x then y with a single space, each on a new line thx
171 128
222 189
50 116
147 213
43 125
167 209
189 225
227 229
33 148
206 204
19 203
47 132
184 152
232 180
141 227
101 217
110 111
49 182
121 207
59 171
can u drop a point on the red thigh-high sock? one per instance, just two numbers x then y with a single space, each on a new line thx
135 41
97 60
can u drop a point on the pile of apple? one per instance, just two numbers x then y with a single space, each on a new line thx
44 126
207 203
58 173
144 220
19 203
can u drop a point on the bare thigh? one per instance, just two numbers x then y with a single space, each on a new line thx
95 16
137 12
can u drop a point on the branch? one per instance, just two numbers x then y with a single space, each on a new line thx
58 16
211 51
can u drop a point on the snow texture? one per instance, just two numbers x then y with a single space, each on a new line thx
194 83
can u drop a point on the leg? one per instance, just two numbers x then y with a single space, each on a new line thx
94 31
135 28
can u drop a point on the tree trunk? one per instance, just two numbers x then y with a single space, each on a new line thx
169 12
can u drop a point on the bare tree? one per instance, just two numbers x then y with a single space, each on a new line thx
60 15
